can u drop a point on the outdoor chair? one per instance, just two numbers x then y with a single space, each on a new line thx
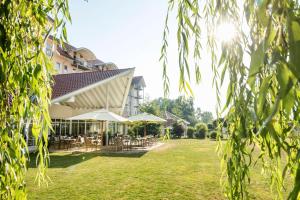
97 142
118 143
55 143
79 142
147 141
127 142
89 143
134 142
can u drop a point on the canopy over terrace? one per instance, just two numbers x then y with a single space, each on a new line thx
79 93
146 118
84 92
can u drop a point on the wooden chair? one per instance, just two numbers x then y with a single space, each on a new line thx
89 143
54 142
97 142
78 142
119 143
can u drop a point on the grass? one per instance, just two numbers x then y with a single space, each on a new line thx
180 169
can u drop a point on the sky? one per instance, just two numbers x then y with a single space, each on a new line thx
129 34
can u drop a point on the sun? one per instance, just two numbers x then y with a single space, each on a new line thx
226 32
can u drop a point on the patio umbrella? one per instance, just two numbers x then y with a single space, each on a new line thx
101 115
146 118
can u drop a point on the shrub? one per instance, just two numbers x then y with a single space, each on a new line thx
138 129
201 130
177 130
210 126
190 132
213 135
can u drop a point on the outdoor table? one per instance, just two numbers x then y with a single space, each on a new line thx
96 141
68 142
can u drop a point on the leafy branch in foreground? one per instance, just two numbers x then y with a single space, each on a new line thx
263 96
25 78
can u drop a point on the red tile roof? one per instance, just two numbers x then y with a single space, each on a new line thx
64 53
66 83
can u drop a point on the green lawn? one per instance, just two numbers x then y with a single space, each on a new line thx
180 169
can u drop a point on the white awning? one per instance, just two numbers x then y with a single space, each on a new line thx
101 115
111 92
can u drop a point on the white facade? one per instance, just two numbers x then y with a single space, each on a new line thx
135 96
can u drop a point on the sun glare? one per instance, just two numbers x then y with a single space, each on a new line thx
226 32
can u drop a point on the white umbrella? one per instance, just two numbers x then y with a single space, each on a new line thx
146 118
102 115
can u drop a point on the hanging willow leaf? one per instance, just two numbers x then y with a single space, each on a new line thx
25 82
263 95
257 59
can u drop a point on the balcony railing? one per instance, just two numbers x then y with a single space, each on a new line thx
138 97
138 88
82 63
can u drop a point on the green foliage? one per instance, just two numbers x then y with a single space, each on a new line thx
138 129
181 107
206 117
201 130
215 135
210 126
167 135
191 132
151 108
263 95
25 78
177 130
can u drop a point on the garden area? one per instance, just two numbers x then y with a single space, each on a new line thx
179 169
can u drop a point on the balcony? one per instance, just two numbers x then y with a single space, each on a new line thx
138 97
81 64
138 87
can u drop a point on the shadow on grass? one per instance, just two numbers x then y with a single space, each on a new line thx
65 160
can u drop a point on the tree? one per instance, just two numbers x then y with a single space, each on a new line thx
184 108
25 78
177 130
263 95
191 132
201 130
198 113
181 106
150 107
206 117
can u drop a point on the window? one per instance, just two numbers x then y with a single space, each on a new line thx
48 49
57 67
65 69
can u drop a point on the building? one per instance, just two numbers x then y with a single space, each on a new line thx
135 97
68 59
82 84
171 119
